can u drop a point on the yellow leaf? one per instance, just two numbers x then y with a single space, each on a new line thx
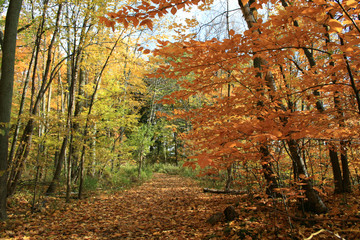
351 3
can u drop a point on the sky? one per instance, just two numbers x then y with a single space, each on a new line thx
212 23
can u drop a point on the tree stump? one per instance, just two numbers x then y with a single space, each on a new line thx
230 213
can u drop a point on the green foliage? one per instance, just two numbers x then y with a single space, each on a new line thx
125 177
167 168
91 183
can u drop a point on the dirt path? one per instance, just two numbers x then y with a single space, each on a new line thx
167 207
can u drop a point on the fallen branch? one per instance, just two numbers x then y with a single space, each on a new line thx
236 192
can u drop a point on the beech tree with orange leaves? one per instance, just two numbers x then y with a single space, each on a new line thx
294 77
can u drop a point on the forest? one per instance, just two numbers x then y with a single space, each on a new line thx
180 119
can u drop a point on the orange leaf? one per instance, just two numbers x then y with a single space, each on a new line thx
335 25
135 21
302 176
203 162
173 10
190 164
244 2
148 23
230 144
126 24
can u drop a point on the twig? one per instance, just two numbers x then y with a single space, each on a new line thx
323 230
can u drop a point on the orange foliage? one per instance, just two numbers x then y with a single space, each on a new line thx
227 126
144 13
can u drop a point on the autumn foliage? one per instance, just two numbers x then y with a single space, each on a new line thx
273 109
287 82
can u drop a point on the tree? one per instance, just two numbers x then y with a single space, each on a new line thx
267 90
6 90
23 149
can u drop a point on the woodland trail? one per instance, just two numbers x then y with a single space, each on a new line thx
166 207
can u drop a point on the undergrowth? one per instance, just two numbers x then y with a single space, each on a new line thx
208 181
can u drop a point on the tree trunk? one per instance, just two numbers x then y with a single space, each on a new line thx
6 92
269 174
81 173
60 161
228 178
72 71
314 202
26 140
140 161
258 62
338 180
345 168
176 149
91 104
21 107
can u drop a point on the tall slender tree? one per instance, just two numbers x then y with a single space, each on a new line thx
6 90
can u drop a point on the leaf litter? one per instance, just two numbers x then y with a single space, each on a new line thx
174 207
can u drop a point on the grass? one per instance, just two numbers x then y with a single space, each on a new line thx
125 177
122 178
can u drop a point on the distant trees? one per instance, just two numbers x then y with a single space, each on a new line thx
78 93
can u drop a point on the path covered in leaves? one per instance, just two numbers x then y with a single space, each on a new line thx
167 207
173 207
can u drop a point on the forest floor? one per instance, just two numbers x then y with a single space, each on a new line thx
173 207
